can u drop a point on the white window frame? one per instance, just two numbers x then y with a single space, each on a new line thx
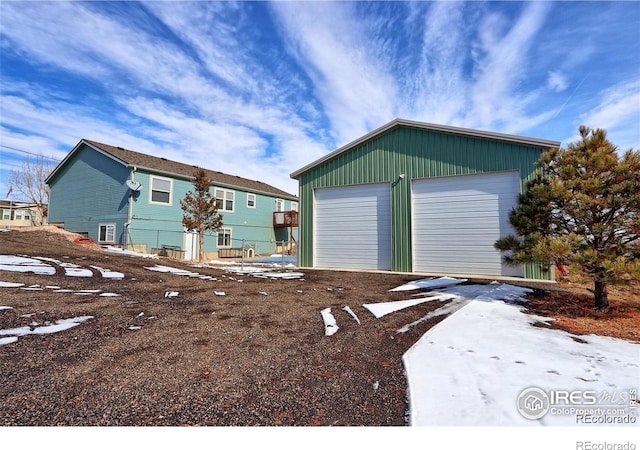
294 206
151 190
279 205
224 199
18 214
6 214
255 200
106 240
223 232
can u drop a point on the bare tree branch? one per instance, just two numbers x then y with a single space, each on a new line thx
29 182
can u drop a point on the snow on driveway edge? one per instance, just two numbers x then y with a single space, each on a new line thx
470 368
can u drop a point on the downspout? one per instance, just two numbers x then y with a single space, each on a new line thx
127 224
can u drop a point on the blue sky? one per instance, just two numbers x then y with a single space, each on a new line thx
260 89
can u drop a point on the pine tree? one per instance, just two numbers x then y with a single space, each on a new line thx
200 210
582 210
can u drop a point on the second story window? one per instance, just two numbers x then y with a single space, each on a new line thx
161 190
225 199
251 200
279 205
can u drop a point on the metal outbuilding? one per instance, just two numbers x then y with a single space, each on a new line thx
416 197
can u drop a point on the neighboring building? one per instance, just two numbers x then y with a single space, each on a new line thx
416 197
121 197
19 215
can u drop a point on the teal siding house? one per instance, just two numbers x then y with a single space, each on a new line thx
128 199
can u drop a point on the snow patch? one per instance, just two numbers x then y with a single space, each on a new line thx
279 275
382 309
60 325
330 324
74 270
245 270
120 251
8 340
347 309
107 273
488 352
9 284
23 264
429 284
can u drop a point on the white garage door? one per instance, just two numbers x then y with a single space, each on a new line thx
353 227
456 221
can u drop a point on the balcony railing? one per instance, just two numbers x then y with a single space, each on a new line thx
282 219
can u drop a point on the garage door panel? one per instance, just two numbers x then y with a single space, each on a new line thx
449 254
433 242
353 227
456 221
456 260
459 218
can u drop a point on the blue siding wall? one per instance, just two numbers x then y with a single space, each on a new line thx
156 225
88 191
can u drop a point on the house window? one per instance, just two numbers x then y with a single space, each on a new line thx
17 215
251 200
107 233
224 237
279 205
6 214
224 199
161 190
294 206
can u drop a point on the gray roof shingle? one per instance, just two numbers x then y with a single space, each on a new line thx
186 171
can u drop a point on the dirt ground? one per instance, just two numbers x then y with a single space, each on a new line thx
244 358
571 305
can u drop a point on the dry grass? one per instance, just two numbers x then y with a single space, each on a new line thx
572 307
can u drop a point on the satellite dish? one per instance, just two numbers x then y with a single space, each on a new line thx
133 185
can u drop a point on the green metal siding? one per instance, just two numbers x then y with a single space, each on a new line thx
417 153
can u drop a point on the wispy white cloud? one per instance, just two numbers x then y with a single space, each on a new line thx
269 87
99 47
500 66
438 89
557 81
333 44
212 30
449 81
618 112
